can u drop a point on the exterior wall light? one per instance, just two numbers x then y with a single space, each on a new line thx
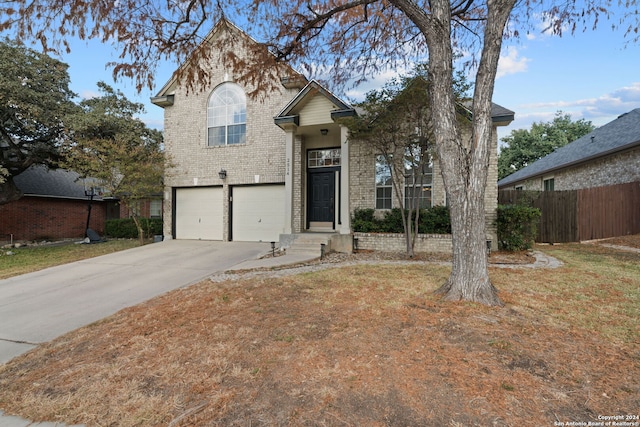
324 131
222 174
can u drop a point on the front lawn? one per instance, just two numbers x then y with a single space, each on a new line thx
27 259
353 345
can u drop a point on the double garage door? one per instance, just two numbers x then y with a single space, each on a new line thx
257 213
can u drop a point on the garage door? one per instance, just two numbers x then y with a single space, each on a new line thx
199 213
258 213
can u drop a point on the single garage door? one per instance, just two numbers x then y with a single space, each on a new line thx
258 213
199 213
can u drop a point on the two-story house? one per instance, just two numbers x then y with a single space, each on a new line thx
248 169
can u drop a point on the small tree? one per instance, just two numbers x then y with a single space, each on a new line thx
395 121
523 147
111 145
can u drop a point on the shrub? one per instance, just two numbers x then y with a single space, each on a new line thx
434 220
125 228
517 227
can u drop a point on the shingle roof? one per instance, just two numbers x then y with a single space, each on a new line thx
42 181
620 134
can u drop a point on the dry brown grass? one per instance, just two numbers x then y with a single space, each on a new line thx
357 345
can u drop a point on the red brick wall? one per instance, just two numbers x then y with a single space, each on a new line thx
39 218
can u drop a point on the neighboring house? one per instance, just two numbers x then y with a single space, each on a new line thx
607 156
268 169
55 206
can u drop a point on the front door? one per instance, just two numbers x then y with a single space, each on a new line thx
321 211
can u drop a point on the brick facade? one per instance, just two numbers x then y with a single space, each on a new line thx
618 168
42 218
363 183
391 242
274 154
259 160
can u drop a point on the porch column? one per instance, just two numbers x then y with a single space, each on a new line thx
345 214
288 182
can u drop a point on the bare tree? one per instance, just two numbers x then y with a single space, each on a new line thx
348 39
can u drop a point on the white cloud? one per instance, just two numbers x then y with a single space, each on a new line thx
511 62
599 110
89 94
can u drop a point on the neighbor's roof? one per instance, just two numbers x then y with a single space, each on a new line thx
621 134
41 181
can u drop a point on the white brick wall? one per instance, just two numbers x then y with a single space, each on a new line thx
390 242
185 135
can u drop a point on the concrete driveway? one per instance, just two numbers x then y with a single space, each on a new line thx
37 307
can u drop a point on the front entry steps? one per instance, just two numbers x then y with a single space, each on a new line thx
306 242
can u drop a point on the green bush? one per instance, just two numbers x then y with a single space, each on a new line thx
517 227
125 228
434 220
364 221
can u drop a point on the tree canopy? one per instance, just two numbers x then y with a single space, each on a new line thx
523 147
34 99
108 143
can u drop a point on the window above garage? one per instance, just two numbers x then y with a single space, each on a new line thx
227 116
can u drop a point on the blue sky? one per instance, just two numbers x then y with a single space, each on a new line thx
593 75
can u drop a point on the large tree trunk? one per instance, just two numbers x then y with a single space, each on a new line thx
464 161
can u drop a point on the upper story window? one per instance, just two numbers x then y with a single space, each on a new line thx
227 116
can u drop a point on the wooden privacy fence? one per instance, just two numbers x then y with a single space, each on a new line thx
585 214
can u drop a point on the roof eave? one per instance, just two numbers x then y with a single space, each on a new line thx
163 101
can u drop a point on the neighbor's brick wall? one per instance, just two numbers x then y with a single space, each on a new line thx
39 218
391 242
185 136
611 170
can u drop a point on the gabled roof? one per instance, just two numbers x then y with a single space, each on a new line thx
290 112
499 114
165 96
621 134
41 181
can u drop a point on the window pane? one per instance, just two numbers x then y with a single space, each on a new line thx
383 184
423 197
216 136
383 198
155 208
236 134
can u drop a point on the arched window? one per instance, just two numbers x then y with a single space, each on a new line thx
227 115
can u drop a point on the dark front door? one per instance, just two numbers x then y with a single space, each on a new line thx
321 197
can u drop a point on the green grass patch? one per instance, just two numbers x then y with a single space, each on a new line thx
33 258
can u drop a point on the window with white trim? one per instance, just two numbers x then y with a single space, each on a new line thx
383 183
227 116
155 208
